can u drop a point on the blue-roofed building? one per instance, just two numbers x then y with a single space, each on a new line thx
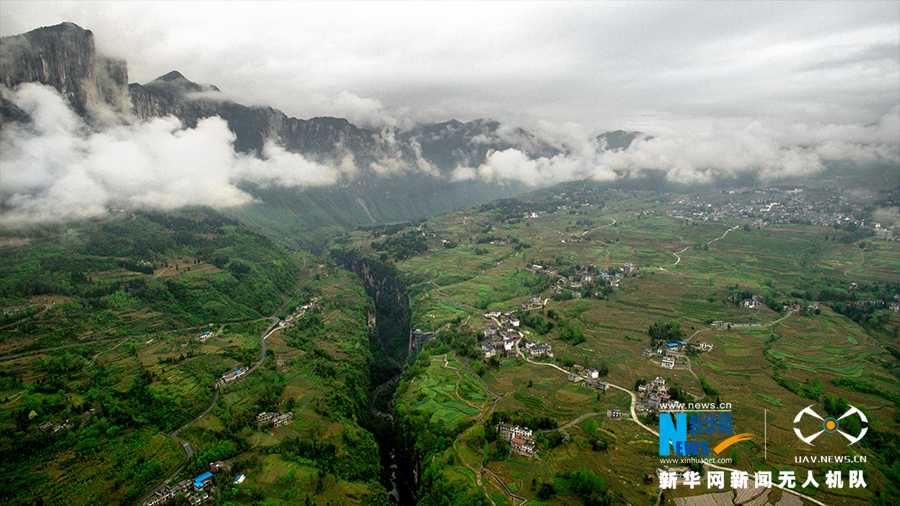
202 480
671 345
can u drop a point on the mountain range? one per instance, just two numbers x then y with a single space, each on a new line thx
385 175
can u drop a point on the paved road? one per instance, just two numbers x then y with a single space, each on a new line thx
678 261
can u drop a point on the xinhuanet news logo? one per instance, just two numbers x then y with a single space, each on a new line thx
688 439
693 435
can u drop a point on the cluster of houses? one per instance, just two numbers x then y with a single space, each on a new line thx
277 419
521 439
501 336
754 302
502 342
301 311
196 490
535 302
205 336
652 394
671 351
869 302
792 206
883 233
52 427
230 377
579 279
796 308
10 310
589 377
536 349
506 320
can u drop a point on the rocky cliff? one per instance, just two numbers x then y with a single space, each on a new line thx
63 56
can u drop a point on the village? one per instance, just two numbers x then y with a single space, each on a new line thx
581 278
196 490
501 335
671 352
201 489
792 206
520 439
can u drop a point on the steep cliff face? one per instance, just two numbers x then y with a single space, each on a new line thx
64 57
389 293
329 140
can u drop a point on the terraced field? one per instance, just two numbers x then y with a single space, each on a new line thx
760 364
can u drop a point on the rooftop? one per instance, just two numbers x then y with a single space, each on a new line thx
203 476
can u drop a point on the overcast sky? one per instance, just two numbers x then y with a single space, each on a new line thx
654 66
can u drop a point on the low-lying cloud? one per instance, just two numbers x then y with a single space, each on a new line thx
56 167
768 150
771 151
515 165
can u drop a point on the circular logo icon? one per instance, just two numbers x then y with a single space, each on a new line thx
830 425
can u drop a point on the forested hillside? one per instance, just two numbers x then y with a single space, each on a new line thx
116 333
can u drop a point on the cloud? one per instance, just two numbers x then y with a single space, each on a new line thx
768 149
56 168
514 165
771 150
606 65
282 168
361 111
461 173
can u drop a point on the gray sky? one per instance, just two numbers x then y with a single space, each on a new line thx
660 67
